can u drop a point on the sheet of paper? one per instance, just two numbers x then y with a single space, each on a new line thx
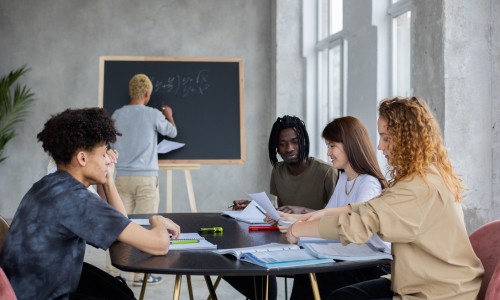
141 221
280 256
263 200
189 236
202 245
166 146
253 211
285 223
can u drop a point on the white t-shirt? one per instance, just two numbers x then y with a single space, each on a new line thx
365 188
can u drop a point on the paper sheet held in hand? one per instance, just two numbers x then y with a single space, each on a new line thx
166 146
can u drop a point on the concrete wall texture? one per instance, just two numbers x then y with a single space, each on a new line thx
61 42
455 68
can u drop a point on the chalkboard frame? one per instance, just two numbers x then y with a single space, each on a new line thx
242 160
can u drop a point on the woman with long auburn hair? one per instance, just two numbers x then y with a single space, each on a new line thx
420 213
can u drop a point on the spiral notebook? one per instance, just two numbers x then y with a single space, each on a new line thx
201 245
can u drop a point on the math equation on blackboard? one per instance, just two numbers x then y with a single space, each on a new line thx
183 85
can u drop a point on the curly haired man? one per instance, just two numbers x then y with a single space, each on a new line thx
44 249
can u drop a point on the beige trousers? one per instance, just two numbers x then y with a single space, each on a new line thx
140 194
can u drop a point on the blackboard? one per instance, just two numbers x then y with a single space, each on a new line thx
206 97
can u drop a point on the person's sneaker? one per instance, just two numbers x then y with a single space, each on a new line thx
152 280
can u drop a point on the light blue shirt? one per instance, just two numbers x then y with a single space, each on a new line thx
137 147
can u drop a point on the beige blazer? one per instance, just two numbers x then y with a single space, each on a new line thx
433 258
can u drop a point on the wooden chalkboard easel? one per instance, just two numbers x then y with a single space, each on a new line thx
186 167
207 97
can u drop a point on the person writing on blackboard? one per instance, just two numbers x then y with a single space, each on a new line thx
301 183
44 249
137 169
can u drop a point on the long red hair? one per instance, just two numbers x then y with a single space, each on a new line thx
416 143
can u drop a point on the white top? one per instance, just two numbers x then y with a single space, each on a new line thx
365 188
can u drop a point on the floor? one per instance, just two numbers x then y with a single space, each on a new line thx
165 290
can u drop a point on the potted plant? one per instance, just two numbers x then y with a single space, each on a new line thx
13 106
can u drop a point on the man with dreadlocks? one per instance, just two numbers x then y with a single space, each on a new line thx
300 182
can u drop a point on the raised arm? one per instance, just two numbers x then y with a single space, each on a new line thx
111 194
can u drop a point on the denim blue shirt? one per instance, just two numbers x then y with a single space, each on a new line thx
43 252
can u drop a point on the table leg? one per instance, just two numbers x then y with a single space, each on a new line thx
177 288
314 284
189 184
190 288
210 287
265 285
215 286
169 191
144 283
255 288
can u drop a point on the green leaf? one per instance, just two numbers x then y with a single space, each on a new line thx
13 106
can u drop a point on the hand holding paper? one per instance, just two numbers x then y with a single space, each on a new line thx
166 146
263 200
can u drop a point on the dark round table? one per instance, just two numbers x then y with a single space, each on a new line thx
205 262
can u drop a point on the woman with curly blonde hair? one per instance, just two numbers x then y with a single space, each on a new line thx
420 213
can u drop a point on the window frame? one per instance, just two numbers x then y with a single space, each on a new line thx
395 10
331 41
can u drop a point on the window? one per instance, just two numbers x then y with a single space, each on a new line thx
330 49
401 48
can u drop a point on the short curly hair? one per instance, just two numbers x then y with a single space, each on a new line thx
76 129
139 85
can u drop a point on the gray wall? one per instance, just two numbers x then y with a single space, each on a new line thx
456 67
361 64
61 42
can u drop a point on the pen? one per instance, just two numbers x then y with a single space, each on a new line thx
244 202
262 227
261 210
184 242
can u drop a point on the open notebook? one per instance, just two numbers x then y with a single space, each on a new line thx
322 248
274 255
201 245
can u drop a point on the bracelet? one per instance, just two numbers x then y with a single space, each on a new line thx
291 231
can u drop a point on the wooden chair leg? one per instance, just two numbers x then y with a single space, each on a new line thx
177 288
210 287
190 287
144 284
315 288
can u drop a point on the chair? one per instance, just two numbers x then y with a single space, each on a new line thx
4 227
6 291
493 291
486 244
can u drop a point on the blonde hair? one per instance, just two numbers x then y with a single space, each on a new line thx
139 85
416 143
